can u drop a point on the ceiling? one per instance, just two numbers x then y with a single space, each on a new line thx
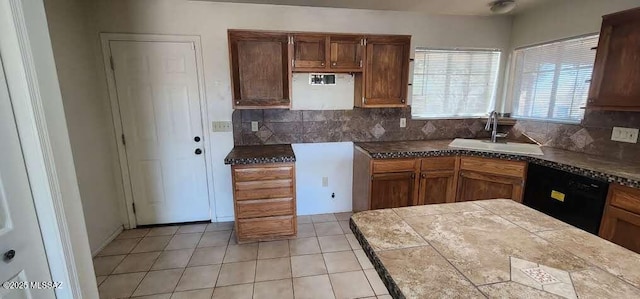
445 7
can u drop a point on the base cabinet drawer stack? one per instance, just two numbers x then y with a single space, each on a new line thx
621 219
264 201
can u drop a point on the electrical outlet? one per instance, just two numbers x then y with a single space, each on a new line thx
629 135
403 122
221 126
325 181
254 126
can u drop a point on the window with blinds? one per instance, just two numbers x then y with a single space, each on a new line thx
551 81
454 83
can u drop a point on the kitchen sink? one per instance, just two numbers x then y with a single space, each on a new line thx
506 147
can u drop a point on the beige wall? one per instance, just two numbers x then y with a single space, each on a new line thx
211 20
88 118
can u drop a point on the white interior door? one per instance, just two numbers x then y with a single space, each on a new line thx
19 229
157 89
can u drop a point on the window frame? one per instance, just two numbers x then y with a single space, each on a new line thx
493 101
511 81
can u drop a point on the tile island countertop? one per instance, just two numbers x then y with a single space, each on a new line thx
491 248
601 168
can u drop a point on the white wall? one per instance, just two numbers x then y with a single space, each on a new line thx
315 161
557 20
561 19
305 96
88 119
211 20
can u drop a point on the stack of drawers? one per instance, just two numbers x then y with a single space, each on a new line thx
265 201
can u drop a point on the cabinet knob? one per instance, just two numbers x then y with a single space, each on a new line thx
402 101
334 64
322 64
424 176
237 102
198 151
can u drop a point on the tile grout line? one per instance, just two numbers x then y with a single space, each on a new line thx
449 262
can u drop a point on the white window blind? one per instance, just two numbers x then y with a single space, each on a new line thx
552 81
454 83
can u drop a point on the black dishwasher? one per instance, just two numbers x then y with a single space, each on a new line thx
572 198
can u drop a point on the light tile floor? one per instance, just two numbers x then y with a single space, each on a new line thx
204 261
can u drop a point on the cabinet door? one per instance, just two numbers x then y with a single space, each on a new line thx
387 71
477 185
260 69
621 227
347 53
392 190
437 187
617 67
309 52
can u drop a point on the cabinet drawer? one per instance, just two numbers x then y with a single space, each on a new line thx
625 198
268 227
265 208
253 185
264 193
394 165
263 173
438 163
494 166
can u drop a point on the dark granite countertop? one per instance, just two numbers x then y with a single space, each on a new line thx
600 168
260 154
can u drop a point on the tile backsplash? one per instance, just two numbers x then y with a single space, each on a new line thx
365 125
593 136
308 126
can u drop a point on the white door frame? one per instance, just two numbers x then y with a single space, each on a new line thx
105 38
37 105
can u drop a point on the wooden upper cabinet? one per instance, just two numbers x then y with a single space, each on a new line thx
386 71
346 53
310 52
616 71
260 69
262 63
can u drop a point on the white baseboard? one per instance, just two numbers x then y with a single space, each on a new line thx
224 219
107 241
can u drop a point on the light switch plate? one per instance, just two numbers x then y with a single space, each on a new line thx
254 126
403 122
221 126
629 135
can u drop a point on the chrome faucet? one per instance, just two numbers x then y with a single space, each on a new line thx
494 133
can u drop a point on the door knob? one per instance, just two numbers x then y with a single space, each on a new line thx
9 255
196 139
198 151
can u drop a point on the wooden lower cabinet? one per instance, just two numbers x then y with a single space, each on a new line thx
438 177
393 190
264 201
392 183
474 185
484 178
621 220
